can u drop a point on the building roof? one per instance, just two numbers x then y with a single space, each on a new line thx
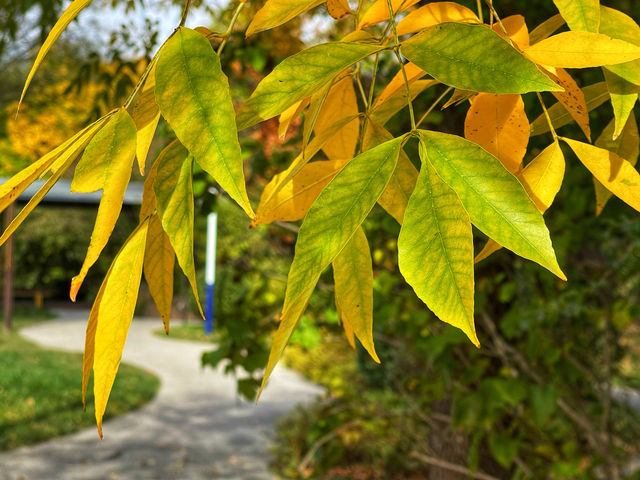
61 194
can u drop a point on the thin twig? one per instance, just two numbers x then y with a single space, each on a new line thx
433 105
452 467
546 114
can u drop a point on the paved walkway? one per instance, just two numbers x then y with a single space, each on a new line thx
194 429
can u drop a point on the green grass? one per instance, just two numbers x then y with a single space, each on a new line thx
40 390
187 331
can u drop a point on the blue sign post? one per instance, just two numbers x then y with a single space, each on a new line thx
210 270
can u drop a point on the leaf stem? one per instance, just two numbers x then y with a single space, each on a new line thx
361 88
433 105
232 24
546 114
396 46
480 14
185 12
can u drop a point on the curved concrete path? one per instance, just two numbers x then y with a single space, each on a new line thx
194 429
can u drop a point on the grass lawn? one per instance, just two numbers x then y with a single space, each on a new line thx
40 390
187 331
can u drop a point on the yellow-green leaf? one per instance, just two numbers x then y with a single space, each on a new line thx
624 96
582 50
353 277
499 124
434 13
341 102
619 25
111 317
496 201
12 188
193 94
626 146
395 197
614 172
435 249
594 96
146 115
286 117
542 179
581 15
298 77
293 199
159 261
329 225
276 12
379 11
546 29
174 200
67 16
106 164
473 57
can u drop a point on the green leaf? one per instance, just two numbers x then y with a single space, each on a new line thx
298 77
193 95
504 448
496 201
395 197
473 57
621 26
626 146
174 199
435 250
67 16
580 14
353 277
277 12
543 403
624 96
329 225
106 164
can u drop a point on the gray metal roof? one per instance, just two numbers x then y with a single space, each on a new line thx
61 193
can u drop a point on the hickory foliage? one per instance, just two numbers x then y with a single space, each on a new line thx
484 65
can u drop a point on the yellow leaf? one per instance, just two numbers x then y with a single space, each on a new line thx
67 16
573 100
12 188
341 102
434 13
111 315
159 261
106 164
68 156
542 179
348 331
146 115
516 28
382 112
174 201
397 82
277 12
594 96
546 29
627 146
379 11
395 197
582 50
614 172
353 277
148 206
286 117
274 187
338 8
293 199
580 14
498 124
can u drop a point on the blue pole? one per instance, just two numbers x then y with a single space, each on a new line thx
210 271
